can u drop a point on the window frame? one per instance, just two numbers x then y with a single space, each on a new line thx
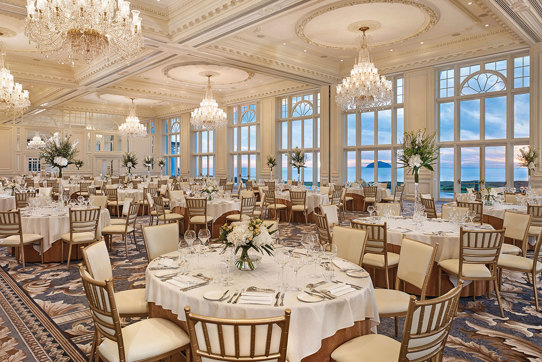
236 152
172 159
198 155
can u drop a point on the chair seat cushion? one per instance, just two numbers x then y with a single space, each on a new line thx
16 239
117 229
118 221
237 217
146 339
154 213
79 237
278 206
510 249
114 203
131 301
469 270
388 199
298 208
368 348
535 230
370 199
172 216
201 219
391 301
378 260
518 263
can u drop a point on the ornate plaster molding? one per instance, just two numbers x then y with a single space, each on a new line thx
170 67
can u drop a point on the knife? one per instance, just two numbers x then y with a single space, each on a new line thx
277 299
239 296
282 299
233 296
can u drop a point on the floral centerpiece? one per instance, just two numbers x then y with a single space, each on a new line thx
161 164
419 151
209 189
148 162
11 187
78 164
59 152
245 236
129 160
297 160
271 163
527 158
489 195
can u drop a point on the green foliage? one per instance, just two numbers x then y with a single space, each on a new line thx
129 160
419 150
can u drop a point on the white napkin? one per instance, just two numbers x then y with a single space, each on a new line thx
256 298
184 281
166 262
345 264
337 289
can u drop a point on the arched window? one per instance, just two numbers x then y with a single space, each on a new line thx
245 132
483 82
172 147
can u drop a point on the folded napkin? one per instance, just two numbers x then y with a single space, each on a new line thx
256 298
337 289
345 264
166 262
184 281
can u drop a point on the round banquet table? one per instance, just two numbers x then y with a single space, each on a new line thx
135 194
51 225
314 199
310 323
433 232
7 203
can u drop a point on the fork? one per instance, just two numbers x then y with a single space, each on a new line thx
233 296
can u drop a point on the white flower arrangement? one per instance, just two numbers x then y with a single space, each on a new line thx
161 162
148 162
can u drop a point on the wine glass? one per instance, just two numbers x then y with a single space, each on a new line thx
80 199
307 240
227 259
472 215
315 256
371 210
204 235
282 257
189 237
296 263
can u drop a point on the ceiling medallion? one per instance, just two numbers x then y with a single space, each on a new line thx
132 127
12 95
218 70
364 88
430 13
84 29
208 116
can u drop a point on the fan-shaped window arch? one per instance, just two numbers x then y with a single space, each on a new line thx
248 117
302 109
483 82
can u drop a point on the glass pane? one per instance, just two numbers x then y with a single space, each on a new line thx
447 121
446 173
211 141
253 167
307 130
318 163
204 166
399 90
307 171
234 115
400 124
244 167
284 166
367 166
294 173
351 129
367 128
521 115
384 127
284 143
470 168
400 173
204 140
483 83
285 108
495 166
248 117
351 166
384 167
521 174
244 138
253 138
302 109
197 166
235 130
469 120
296 134
235 170
197 143
495 126
211 165
318 131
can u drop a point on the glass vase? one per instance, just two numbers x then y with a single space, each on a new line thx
246 262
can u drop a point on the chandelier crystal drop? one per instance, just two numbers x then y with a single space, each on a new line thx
131 127
12 95
208 116
74 30
364 88
36 143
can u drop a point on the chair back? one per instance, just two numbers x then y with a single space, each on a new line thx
325 190
332 214
398 193
270 185
219 339
376 237
162 183
10 224
247 206
349 243
98 201
29 182
516 227
246 193
476 206
222 182
370 191
450 211
45 191
150 190
160 239
97 261
196 206
21 198
111 194
536 214
336 195
126 205
249 184
429 207
480 247
115 180
298 197
83 186
269 197
511 199
322 227
84 221
54 185
131 217
416 260
228 187
427 326
393 209
103 309
159 206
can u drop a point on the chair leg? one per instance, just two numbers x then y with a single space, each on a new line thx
41 251
306 220
21 252
93 348
396 326
535 291
69 255
498 296
387 279
61 251
439 282
125 238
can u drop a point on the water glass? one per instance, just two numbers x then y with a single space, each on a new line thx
371 210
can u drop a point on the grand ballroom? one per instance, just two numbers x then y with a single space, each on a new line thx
270 180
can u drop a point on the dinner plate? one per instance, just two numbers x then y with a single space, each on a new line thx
215 295
307 298
357 273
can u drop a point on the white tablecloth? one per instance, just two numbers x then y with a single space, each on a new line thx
445 233
7 203
380 192
310 322
215 208
135 194
52 227
314 199
499 210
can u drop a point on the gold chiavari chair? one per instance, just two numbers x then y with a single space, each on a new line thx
416 260
122 179
160 239
12 236
150 339
478 255
30 182
209 337
197 212
98 201
163 215
536 219
375 252
222 182
397 195
322 227
516 230
270 185
448 211
249 185
298 201
350 243
55 186
115 180
153 192
393 209
135 184
83 230
271 204
369 192
476 206
113 199
21 198
246 212
228 187
84 189
426 330
429 207
128 228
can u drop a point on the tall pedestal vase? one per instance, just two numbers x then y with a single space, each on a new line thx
417 205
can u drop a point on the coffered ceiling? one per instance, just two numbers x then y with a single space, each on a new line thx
260 48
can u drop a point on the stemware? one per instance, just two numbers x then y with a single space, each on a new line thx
80 199
189 237
297 263
307 240
371 210
204 235
282 257
227 259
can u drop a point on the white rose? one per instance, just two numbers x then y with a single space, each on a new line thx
61 161
415 161
129 164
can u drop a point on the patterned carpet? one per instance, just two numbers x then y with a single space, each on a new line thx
478 333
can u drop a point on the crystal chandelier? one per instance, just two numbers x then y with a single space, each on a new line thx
364 88
208 116
12 95
73 30
132 127
36 143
